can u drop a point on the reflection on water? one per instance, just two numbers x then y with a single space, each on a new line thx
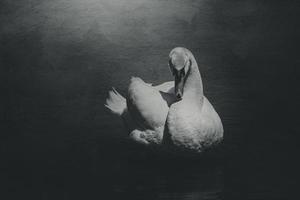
177 180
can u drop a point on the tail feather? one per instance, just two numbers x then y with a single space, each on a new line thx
115 102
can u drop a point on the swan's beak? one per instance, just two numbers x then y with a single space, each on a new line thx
177 63
179 83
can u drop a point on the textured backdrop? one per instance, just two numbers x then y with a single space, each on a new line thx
59 58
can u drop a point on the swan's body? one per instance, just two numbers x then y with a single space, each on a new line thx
145 110
179 116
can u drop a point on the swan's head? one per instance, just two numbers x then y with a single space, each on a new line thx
179 63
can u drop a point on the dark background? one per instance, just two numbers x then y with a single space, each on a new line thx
59 58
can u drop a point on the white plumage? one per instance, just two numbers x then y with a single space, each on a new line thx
175 113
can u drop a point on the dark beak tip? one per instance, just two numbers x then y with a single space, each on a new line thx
179 96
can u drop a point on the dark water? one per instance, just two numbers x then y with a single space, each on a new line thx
59 58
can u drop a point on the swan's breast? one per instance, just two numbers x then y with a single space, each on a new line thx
183 125
192 127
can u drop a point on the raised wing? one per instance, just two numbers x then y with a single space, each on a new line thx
147 105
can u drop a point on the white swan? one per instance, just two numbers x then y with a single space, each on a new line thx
174 113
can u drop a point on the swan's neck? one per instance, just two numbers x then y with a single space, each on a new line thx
193 89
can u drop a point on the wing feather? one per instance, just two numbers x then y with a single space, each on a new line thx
146 104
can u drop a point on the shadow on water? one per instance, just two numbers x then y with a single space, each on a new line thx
160 178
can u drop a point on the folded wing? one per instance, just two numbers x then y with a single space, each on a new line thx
148 105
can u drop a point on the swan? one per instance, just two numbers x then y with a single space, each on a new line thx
175 113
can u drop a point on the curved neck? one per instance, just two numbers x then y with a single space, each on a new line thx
193 88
